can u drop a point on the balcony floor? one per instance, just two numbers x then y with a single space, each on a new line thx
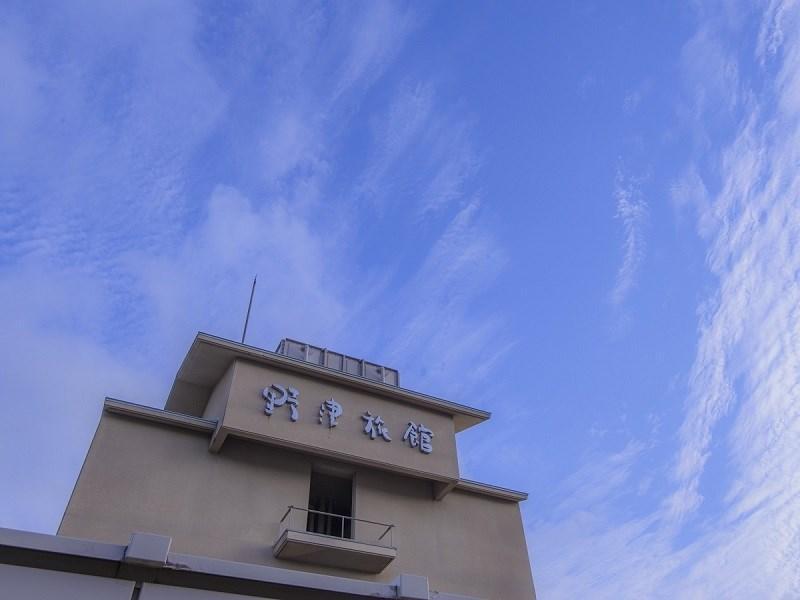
315 548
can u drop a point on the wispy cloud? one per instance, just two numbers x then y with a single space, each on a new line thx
631 211
741 409
394 133
377 35
424 149
438 305
161 178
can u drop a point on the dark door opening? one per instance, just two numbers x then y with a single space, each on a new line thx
334 496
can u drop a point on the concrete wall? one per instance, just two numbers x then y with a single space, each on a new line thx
465 543
244 416
143 476
150 477
218 400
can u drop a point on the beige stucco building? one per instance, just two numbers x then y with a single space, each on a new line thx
300 473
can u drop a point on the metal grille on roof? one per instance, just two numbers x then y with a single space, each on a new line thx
338 361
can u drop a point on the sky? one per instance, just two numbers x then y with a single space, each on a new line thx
583 217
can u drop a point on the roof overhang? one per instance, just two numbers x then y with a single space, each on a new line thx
210 356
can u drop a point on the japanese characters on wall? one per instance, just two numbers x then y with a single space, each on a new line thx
416 435
278 395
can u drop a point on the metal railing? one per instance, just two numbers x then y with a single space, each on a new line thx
348 528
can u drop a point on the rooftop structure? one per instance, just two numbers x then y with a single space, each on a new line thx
338 361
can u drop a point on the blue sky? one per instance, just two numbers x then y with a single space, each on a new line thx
580 216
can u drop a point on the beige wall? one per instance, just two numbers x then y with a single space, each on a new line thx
244 416
143 476
218 400
149 477
465 543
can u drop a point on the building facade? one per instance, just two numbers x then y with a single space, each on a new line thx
300 473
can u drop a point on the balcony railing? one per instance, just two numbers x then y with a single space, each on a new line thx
323 538
342 527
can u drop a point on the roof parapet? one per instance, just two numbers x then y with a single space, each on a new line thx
336 360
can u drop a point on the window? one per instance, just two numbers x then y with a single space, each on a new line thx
333 496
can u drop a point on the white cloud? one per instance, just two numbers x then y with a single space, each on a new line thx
689 191
204 283
102 166
457 164
289 143
707 534
437 305
631 210
375 38
394 132
631 101
421 145
710 73
113 256
21 103
591 549
55 375
770 37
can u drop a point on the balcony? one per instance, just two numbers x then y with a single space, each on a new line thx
347 542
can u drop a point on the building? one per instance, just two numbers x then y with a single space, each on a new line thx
299 473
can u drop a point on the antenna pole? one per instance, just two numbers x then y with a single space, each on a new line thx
249 306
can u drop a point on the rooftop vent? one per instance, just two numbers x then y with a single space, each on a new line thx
335 360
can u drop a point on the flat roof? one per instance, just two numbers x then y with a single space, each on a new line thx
209 357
